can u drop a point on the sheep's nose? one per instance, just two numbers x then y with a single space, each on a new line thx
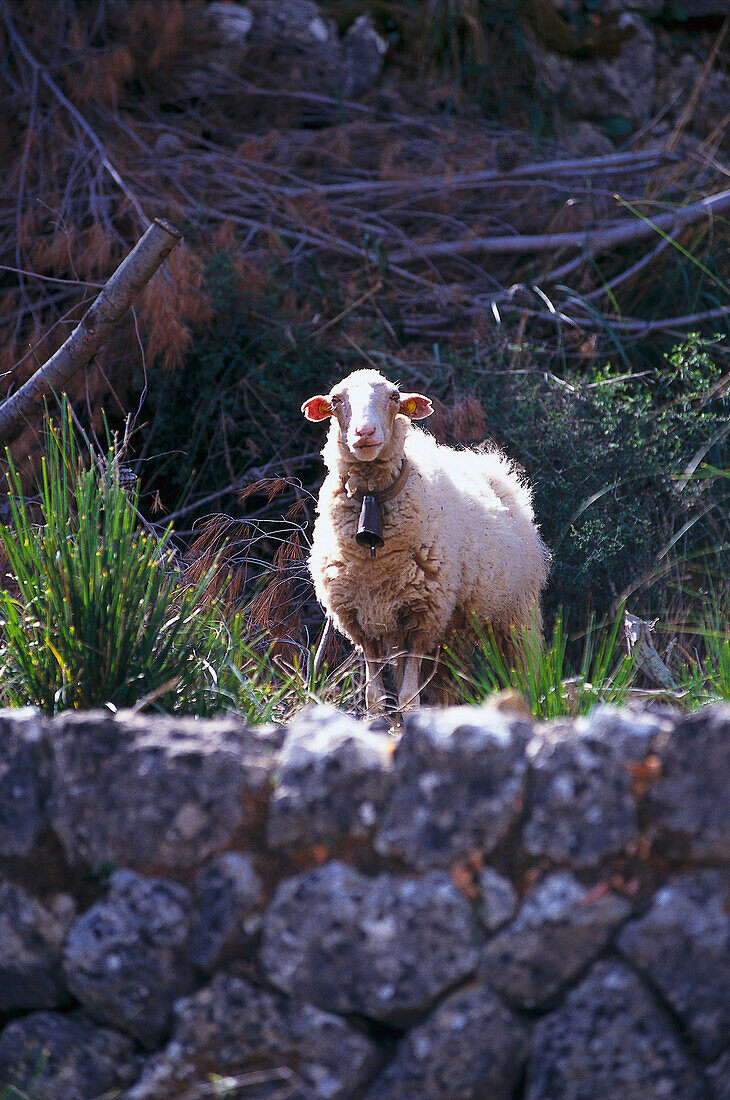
366 429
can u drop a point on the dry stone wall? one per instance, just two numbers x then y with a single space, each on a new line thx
488 907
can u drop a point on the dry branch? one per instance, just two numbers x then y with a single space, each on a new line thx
592 241
76 352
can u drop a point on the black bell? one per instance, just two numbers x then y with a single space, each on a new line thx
370 525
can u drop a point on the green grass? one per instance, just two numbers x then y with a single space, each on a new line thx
544 676
102 615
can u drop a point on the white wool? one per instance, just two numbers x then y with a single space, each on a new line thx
460 540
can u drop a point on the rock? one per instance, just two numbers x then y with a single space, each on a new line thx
559 929
498 899
620 87
23 780
79 1060
583 138
632 733
678 76
154 792
363 55
459 785
385 947
682 945
332 780
718 1076
31 938
689 801
228 900
470 1046
299 48
124 957
609 1038
292 21
612 90
232 21
581 807
232 1027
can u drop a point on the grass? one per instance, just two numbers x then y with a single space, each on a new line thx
544 676
99 612
102 615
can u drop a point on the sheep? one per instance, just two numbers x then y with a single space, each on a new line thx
457 539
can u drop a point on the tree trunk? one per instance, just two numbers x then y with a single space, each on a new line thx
134 272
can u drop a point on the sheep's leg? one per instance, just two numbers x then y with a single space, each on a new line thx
375 697
409 690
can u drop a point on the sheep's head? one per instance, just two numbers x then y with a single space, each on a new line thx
365 406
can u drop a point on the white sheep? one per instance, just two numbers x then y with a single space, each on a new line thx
458 536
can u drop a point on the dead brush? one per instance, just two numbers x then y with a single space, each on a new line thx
257 568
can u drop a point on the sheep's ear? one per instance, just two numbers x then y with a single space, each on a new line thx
415 405
317 408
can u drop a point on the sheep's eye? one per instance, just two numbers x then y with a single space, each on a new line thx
335 402
395 396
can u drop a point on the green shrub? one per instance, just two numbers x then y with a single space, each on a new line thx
102 616
605 455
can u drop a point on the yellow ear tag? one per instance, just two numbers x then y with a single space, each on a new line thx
409 407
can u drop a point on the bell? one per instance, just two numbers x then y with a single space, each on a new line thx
370 525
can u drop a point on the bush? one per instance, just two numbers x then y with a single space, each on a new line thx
102 616
606 454
235 402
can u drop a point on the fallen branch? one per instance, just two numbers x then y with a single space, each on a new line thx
641 647
592 241
134 272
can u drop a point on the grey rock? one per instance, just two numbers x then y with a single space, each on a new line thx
556 933
682 944
79 1060
363 51
622 86
23 780
718 1076
333 778
385 947
679 76
689 801
609 1038
227 906
581 807
459 785
470 1046
31 939
232 21
232 1027
632 733
154 792
294 21
124 957
498 899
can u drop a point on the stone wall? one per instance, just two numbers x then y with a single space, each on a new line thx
488 908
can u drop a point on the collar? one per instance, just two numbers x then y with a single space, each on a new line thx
382 495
